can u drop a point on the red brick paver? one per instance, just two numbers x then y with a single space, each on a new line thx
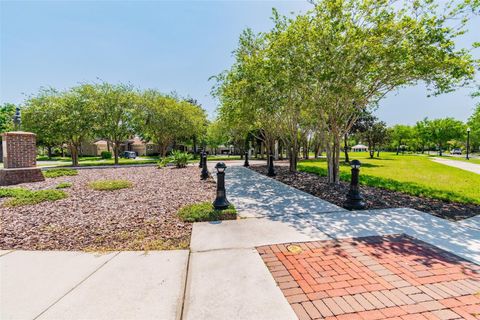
383 277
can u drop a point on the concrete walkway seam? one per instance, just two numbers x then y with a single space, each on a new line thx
76 286
185 286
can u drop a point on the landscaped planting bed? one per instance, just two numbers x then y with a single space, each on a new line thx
375 198
141 217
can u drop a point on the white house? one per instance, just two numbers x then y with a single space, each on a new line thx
360 148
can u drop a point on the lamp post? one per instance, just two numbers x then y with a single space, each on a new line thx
271 169
17 119
204 174
221 201
468 142
246 164
354 199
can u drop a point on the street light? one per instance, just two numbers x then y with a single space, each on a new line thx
204 175
468 142
221 201
354 199
246 164
271 169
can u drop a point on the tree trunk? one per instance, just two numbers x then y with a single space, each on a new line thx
292 159
318 151
333 159
371 150
115 151
347 159
440 150
378 152
49 152
74 154
163 151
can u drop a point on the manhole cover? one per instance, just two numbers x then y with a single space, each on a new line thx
294 249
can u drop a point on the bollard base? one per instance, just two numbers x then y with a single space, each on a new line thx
354 202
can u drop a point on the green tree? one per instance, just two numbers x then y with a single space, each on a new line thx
7 111
341 59
444 130
216 135
115 107
422 133
375 135
165 120
400 134
474 125
40 116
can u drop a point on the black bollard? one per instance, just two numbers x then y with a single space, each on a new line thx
271 168
201 159
354 198
246 164
204 175
221 201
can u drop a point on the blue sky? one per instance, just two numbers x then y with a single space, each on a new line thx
167 45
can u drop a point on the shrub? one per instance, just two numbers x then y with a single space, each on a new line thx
55 173
205 211
64 185
108 185
180 158
22 197
106 155
162 163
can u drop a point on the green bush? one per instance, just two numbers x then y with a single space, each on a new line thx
205 211
22 197
106 155
162 163
108 185
64 185
180 158
55 173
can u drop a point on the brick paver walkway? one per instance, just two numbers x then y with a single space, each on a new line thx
383 277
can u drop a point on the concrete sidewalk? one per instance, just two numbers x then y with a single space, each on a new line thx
255 195
79 285
285 215
472 167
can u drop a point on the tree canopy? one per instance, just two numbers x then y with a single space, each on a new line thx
321 70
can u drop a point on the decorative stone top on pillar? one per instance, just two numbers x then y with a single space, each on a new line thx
19 150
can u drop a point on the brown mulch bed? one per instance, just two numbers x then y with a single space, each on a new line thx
375 198
139 218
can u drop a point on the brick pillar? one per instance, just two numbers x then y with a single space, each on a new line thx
19 158
19 150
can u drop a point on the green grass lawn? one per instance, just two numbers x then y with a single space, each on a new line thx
98 161
412 174
94 161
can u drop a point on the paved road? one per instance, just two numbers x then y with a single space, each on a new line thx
472 167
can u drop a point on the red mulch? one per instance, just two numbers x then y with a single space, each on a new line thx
139 218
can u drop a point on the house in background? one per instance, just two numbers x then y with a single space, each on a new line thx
135 144
360 148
